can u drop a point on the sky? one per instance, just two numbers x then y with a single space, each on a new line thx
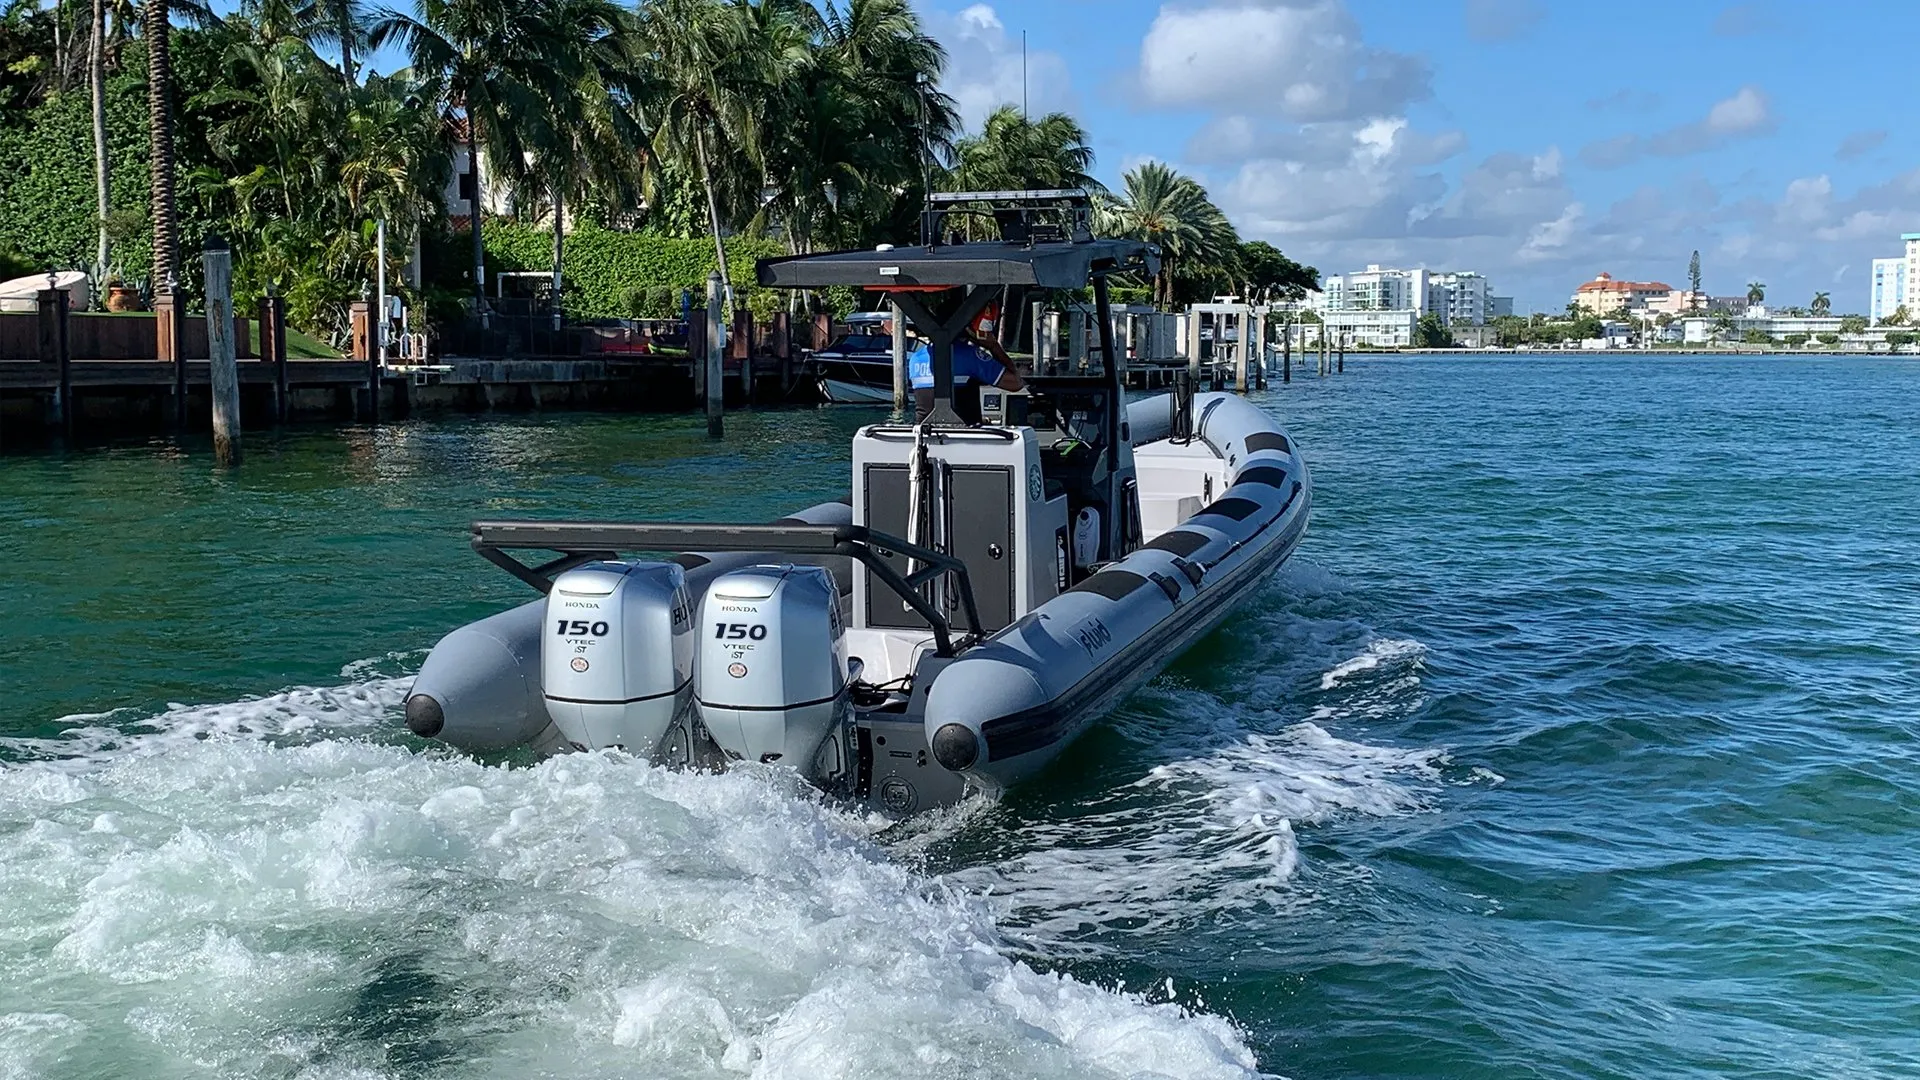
1538 142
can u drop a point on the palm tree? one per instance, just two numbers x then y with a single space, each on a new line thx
97 83
897 65
801 99
873 70
336 22
1161 206
1756 292
1822 303
589 141
160 139
496 62
1013 152
705 86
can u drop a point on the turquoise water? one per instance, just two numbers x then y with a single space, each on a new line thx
1579 740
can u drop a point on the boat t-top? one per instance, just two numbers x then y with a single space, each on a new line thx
1006 569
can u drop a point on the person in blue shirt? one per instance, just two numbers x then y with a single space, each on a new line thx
977 361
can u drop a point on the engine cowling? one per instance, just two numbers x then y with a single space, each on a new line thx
771 677
616 655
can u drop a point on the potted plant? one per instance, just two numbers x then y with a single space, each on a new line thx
120 295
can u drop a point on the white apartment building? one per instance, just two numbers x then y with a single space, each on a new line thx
1699 330
1463 298
1360 329
1912 240
1889 286
1457 297
1377 289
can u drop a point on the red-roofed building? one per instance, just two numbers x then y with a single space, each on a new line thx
1604 296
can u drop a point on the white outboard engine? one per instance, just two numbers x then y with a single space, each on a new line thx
616 655
772 672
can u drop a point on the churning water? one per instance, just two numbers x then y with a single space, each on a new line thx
1579 740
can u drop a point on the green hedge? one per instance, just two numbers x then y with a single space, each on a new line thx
46 184
613 273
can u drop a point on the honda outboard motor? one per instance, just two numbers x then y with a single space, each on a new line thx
616 660
772 673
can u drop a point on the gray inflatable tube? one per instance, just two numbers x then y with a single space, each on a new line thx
479 689
1007 707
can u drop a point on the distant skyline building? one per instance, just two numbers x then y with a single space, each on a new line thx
1362 329
1889 286
1912 240
1605 295
1462 297
1895 282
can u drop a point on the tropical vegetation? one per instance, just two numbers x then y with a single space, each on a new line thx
607 128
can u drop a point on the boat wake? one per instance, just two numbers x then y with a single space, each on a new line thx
1207 840
1230 781
267 888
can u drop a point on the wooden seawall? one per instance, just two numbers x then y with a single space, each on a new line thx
71 372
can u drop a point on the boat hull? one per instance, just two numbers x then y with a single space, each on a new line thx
855 379
1234 499
1007 708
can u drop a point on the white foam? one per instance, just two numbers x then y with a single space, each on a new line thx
1387 652
250 889
1201 839
305 712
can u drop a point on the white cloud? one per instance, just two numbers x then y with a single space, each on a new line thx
1502 20
984 67
1747 113
1348 182
1311 146
1743 112
1233 139
1302 60
1806 202
1742 20
1860 142
1307 137
1549 239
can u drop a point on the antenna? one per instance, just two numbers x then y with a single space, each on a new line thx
1023 74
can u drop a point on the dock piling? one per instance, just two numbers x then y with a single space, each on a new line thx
1342 369
716 349
360 323
899 360
56 348
273 349
740 347
1036 316
783 350
167 346
223 376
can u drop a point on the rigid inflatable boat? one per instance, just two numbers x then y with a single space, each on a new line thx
993 585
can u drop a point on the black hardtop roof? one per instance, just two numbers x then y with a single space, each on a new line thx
1058 265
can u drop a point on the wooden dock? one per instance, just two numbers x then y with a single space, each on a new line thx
64 372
